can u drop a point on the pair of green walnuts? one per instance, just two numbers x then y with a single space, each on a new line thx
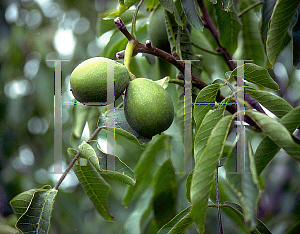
148 107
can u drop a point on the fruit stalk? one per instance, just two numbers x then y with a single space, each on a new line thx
197 82
128 55
145 48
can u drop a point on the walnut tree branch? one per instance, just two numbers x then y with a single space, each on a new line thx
149 49
209 24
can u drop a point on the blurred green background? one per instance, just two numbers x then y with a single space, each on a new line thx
32 32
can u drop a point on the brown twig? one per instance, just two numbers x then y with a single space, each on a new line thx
149 49
209 24
71 164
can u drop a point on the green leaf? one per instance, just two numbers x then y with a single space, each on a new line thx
227 5
20 203
251 45
191 11
178 224
180 109
117 43
142 207
164 197
229 27
140 66
89 153
211 62
205 170
234 211
144 169
170 7
34 209
180 41
185 51
267 149
276 132
205 102
245 184
209 122
93 118
124 6
122 128
80 114
121 172
107 24
123 133
296 43
225 191
129 3
295 229
267 10
188 185
257 75
280 21
172 28
264 153
164 82
95 187
277 105
150 4
93 184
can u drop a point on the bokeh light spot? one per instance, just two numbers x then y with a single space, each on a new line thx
33 19
12 13
17 88
26 155
64 42
37 125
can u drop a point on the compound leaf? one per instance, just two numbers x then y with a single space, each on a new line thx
121 171
123 133
93 184
257 75
277 105
277 132
164 197
204 102
143 206
209 122
280 21
143 170
229 27
34 209
245 184
267 148
251 45
178 224
205 170
234 211
191 11
170 6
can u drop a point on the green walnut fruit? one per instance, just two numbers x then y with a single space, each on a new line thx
157 29
148 107
89 79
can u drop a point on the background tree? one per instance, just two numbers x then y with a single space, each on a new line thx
153 195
